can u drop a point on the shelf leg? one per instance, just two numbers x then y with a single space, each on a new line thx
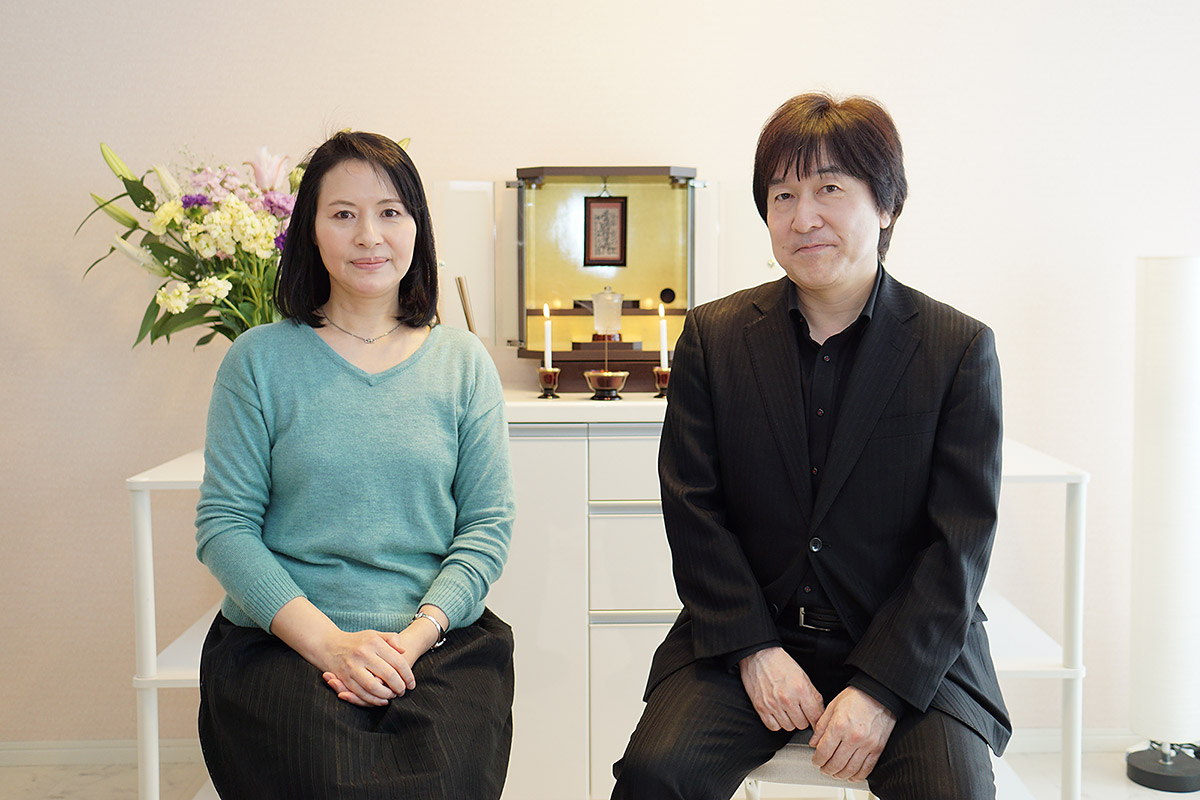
145 644
1072 720
147 748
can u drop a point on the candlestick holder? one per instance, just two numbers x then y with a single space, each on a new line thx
548 380
662 377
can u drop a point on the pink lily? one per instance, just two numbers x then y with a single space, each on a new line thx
270 171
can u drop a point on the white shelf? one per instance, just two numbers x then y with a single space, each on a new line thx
184 472
209 792
1008 785
1020 649
179 662
1023 464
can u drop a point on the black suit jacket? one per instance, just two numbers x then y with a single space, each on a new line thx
901 529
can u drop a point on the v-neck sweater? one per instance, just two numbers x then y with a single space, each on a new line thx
369 494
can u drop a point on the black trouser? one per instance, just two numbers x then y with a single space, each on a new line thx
699 737
271 728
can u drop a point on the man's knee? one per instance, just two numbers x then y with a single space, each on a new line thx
655 767
933 756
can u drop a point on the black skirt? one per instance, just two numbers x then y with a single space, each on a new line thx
270 727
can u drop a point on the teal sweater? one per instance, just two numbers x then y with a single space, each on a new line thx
367 494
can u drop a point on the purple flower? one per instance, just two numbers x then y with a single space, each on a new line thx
280 241
279 203
190 200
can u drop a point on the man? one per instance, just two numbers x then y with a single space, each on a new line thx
830 467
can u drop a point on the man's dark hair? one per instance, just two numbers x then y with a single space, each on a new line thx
302 284
855 135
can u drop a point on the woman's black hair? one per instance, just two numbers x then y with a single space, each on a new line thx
302 283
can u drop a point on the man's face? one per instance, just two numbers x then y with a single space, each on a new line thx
824 228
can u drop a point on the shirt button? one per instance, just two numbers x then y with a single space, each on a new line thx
814 471
820 412
815 544
825 358
807 589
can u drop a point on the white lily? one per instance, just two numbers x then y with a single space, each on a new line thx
167 181
140 256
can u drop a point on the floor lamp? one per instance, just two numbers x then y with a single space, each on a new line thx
1164 637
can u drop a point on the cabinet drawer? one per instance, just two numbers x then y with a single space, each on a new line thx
619 661
629 562
623 462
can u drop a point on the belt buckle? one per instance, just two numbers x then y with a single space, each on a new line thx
810 626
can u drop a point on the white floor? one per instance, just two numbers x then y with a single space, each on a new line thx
1103 779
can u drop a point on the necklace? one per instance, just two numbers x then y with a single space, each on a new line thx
364 339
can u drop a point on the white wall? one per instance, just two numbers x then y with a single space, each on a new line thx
1048 144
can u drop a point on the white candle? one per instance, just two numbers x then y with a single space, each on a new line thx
546 325
662 336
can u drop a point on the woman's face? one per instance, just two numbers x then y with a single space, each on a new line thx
364 233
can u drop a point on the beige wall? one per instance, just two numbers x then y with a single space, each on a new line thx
1048 145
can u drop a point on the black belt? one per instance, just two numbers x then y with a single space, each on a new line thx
814 619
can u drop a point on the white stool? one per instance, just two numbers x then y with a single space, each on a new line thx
792 764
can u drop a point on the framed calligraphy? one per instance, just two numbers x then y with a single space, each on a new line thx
604 231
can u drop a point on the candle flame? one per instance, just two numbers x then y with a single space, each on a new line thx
545 309
662 312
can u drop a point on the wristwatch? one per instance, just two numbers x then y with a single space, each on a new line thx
441 631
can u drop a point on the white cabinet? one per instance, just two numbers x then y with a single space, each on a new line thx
589 594
543 596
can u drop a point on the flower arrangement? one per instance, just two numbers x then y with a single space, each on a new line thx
214 236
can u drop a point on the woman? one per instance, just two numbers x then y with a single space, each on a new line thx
357 504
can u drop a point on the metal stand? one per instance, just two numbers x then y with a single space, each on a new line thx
1164 767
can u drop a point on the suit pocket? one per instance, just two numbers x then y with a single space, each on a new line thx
909 425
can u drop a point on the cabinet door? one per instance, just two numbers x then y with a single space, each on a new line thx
620 662
629 561
543 596
623 461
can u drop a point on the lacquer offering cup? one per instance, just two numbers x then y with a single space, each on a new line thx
607 384
548 380
662 376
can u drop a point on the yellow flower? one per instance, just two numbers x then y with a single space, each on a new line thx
164 215
173 300
211 289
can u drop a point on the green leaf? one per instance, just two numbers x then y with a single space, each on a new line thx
228 331
205 339
116 212
111 250
186 262
173 323
147 321
141 196
116 164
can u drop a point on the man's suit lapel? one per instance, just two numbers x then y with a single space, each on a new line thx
883 356
775 360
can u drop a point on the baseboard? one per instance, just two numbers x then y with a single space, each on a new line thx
1049 740
103 751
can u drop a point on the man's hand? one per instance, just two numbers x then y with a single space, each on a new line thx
851 734
780 690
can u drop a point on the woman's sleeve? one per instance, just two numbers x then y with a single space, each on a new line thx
483 495
234 497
